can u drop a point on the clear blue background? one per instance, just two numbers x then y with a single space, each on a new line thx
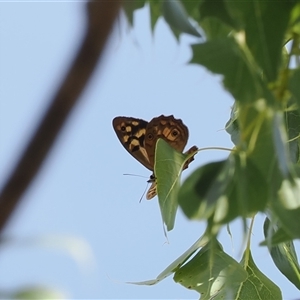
80 193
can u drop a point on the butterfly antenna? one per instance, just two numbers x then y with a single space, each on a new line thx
150 180
128 174
144 192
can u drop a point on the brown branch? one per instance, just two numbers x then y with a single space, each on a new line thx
101 16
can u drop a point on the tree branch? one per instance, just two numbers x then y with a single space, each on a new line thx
101 16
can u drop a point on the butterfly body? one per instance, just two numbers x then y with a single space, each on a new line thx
139 138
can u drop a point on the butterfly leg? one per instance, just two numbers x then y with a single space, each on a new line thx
191 150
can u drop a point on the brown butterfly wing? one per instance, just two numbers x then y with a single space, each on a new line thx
152 191
131 133
188 152
172 130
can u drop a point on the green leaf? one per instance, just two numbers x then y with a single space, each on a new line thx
232 126
175 265
167 169
192 8
295 19
257 286
209 9
283 255
212 273
279 137
224 190
242 77
286 205
212 18
178 19
264 141
155 12
192 195
37 293
245 190
292 119
130 7
274 238
214 28
294 86
264 37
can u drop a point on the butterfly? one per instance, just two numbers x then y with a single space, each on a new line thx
139 138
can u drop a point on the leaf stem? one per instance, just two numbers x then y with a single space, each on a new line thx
249 241
215 148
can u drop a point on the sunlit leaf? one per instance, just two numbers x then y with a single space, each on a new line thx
264 37
212 273
292 117
37 293
224 190
279 137
294 86
192 195
241 76
215 275
286 205
273 237
263 142
284 256
295 19
257 285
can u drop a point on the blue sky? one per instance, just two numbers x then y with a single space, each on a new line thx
81 193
